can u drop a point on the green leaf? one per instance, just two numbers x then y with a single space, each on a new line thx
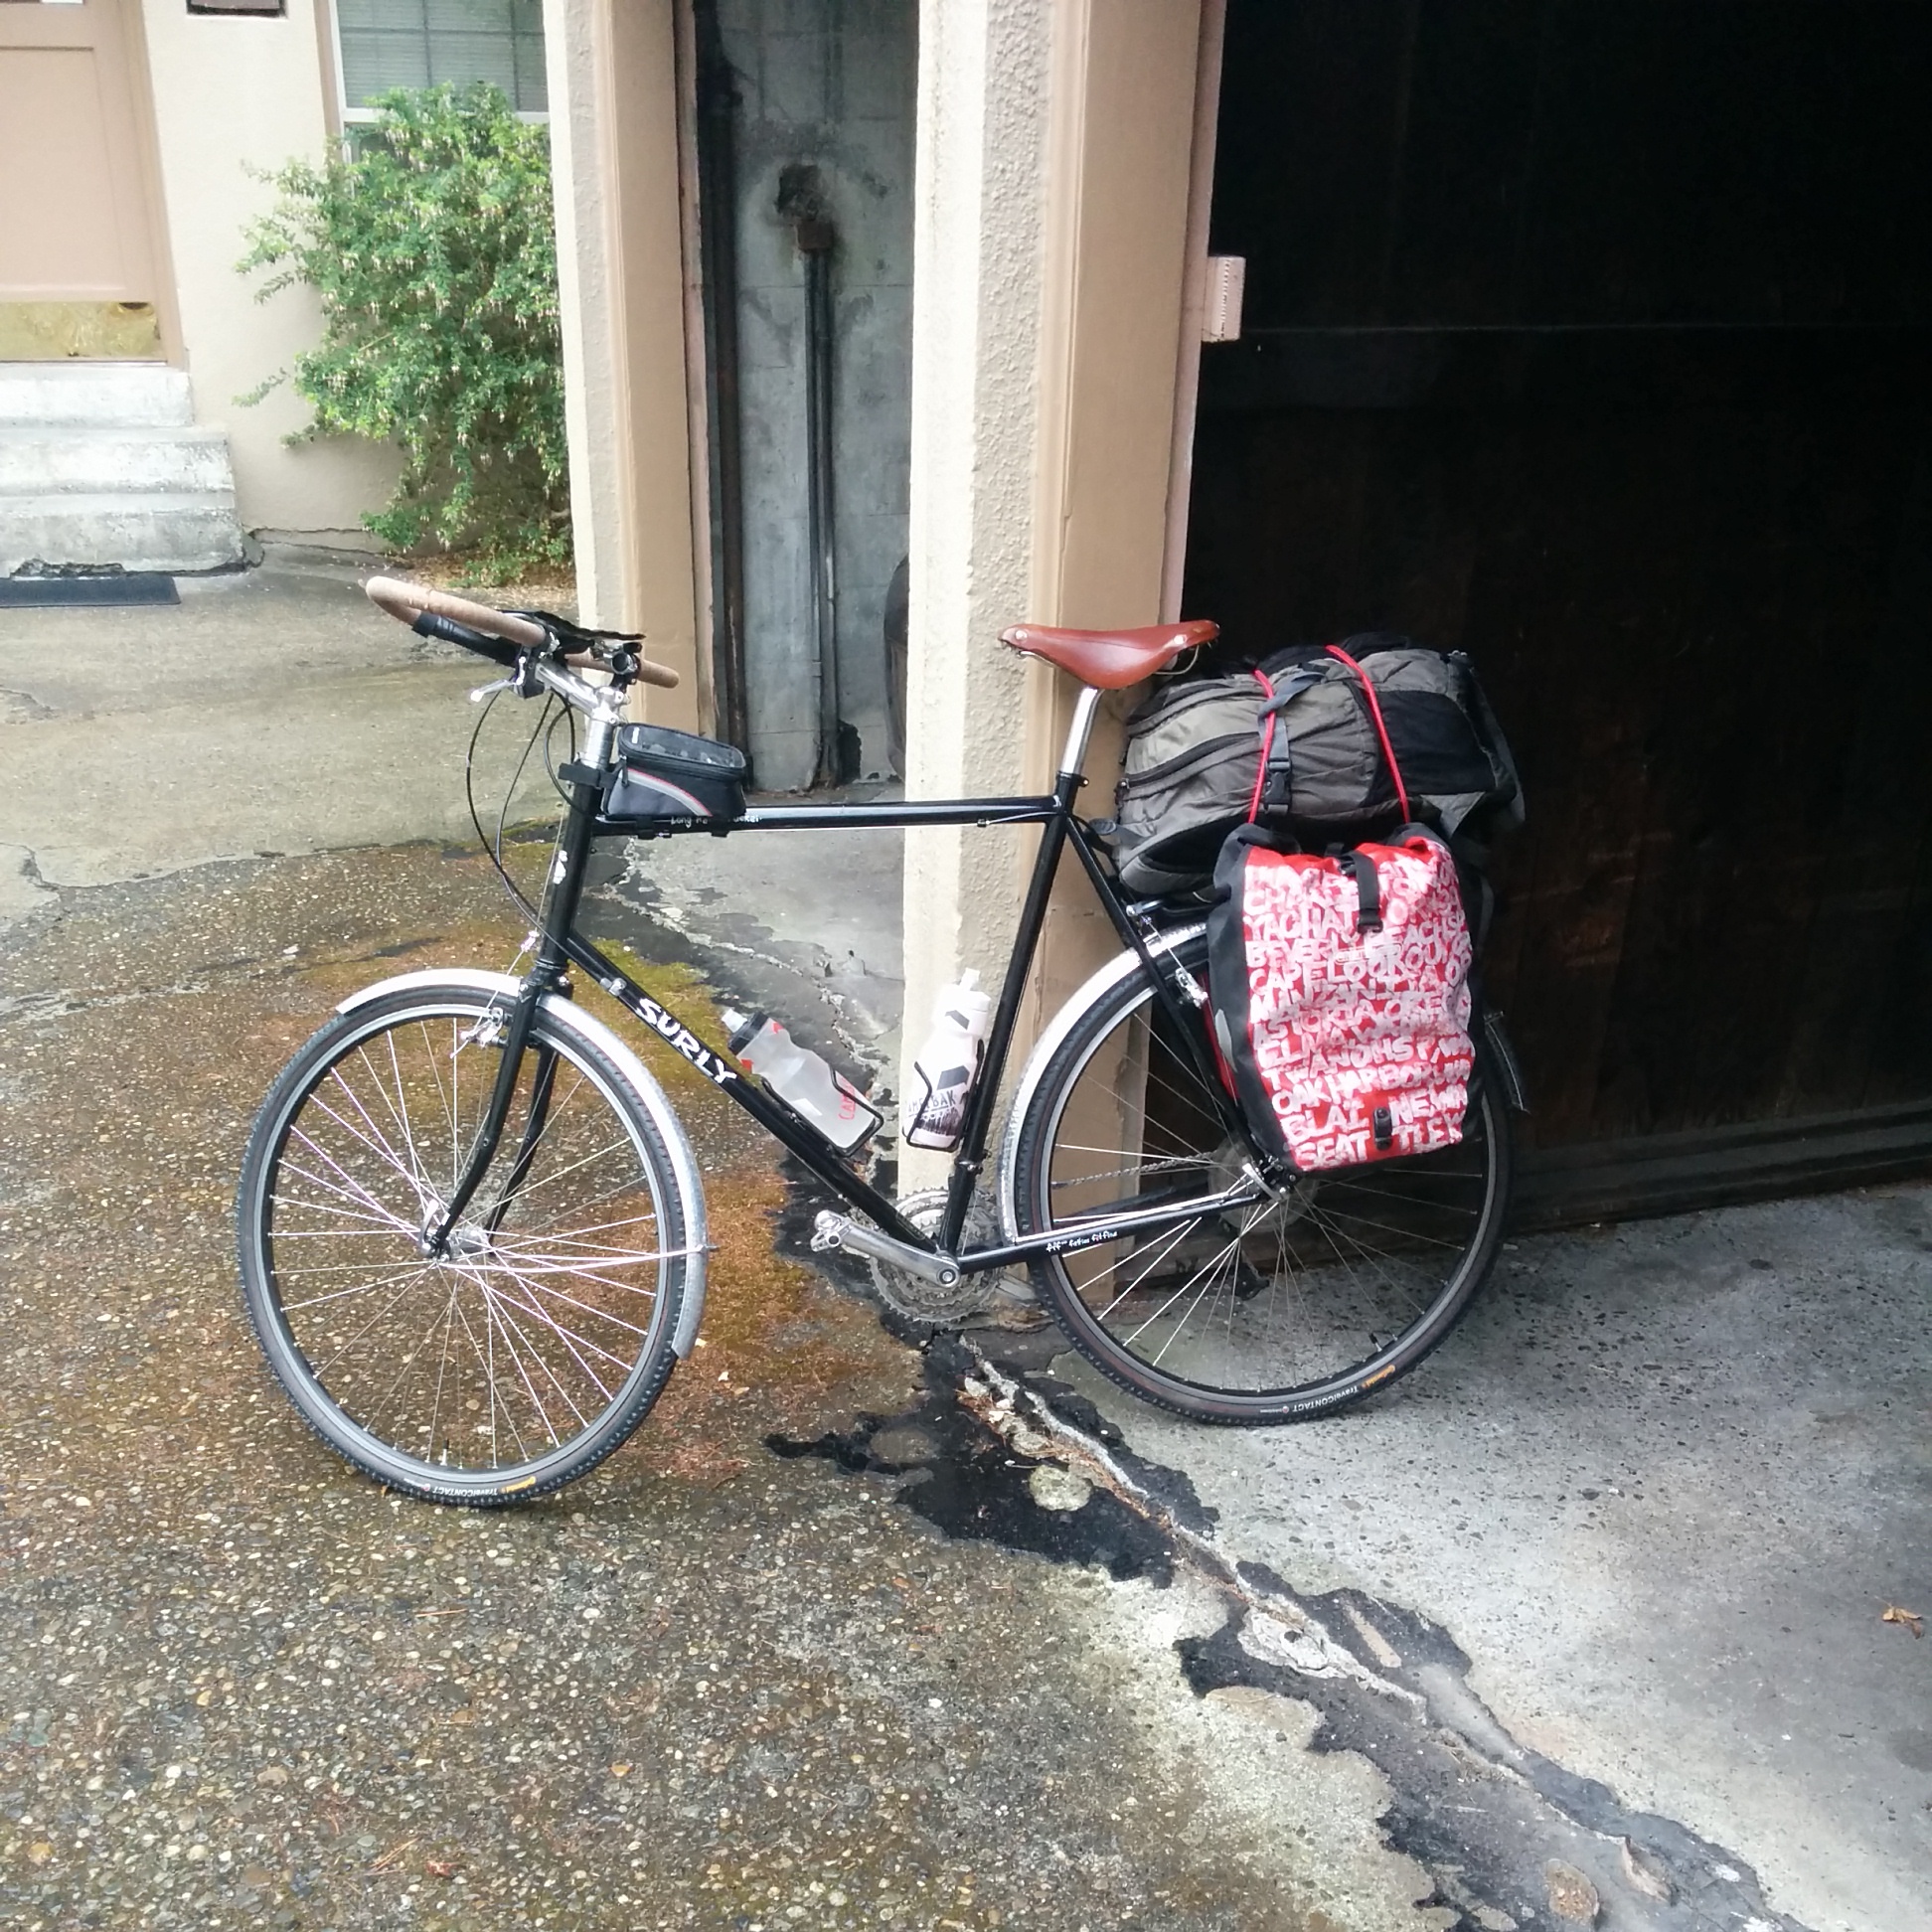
432 253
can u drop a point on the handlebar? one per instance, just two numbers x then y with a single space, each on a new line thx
406 601
500 635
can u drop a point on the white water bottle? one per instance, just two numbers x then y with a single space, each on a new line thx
800 1079
933 1112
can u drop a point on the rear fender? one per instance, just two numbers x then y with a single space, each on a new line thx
1513 1089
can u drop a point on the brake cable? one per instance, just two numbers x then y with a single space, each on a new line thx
494 848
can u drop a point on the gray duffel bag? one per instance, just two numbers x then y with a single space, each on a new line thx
1194 764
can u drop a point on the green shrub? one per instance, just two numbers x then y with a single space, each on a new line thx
434 254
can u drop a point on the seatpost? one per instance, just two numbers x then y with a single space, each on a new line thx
1080 730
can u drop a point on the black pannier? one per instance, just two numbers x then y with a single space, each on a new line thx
665 774
1201 756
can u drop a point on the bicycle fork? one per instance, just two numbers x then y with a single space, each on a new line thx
561 892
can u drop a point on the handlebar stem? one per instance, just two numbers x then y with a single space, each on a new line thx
604 705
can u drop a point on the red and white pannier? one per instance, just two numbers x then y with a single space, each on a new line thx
1341 996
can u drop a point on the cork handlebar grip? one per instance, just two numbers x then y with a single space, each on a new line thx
406 601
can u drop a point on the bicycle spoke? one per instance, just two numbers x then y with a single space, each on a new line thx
523 1334
341 1294
1298 1289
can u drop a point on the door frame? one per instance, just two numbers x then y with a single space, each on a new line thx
147 144
144 142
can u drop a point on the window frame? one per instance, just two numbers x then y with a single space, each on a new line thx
346 117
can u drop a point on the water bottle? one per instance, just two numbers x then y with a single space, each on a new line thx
933 1114
801 1079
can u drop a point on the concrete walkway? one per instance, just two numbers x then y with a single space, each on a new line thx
273 711
1609 1568
1658 1488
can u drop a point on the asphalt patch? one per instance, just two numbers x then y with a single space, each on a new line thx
966 1482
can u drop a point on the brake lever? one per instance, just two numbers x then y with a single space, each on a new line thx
523 681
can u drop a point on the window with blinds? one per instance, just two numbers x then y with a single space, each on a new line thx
385 44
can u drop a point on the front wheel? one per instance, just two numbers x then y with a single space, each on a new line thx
535 1342
1292 1305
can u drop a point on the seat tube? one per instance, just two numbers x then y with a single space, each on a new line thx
971 1156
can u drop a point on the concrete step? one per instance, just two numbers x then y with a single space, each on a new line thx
101 464
176 529
37 459
110 393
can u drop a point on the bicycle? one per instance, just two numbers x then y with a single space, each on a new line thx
472 1231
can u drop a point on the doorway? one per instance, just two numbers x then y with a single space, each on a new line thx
805 133
79 234
1595 341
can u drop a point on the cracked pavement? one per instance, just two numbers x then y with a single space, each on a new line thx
1581 1621
710 1685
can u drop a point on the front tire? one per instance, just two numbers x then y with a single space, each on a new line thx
1293 1306
530 1350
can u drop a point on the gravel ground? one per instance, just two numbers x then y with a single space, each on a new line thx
710 1685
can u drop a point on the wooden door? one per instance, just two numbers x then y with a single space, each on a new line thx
1596 340
76 213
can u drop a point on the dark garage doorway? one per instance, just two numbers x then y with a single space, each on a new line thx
1593 339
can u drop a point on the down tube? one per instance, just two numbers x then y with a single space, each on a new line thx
795 1134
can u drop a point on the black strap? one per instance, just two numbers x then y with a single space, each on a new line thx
1285 693
1362 869
1278 760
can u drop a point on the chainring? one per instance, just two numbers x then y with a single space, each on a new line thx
919 1300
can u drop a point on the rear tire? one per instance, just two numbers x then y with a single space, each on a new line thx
1290 1309
536 1343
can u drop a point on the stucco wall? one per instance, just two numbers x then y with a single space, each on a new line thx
231 95
979 300
613 68
1049 256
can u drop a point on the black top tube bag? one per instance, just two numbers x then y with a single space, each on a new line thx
663 774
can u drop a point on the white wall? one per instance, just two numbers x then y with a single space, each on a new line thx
231 95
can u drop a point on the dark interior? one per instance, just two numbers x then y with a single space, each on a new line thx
1592 339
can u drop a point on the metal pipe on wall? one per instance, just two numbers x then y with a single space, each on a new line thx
718 104
801 199
818 438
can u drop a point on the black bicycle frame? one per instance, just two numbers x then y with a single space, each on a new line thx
560 944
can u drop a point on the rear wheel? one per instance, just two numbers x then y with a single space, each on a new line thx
1296 1303
529 1348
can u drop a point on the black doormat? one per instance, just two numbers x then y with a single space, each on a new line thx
119 588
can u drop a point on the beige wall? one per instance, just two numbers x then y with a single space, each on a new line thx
233 94
614 141
1052 245
1117 260
986 75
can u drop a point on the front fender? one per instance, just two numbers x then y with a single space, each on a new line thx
569 1018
